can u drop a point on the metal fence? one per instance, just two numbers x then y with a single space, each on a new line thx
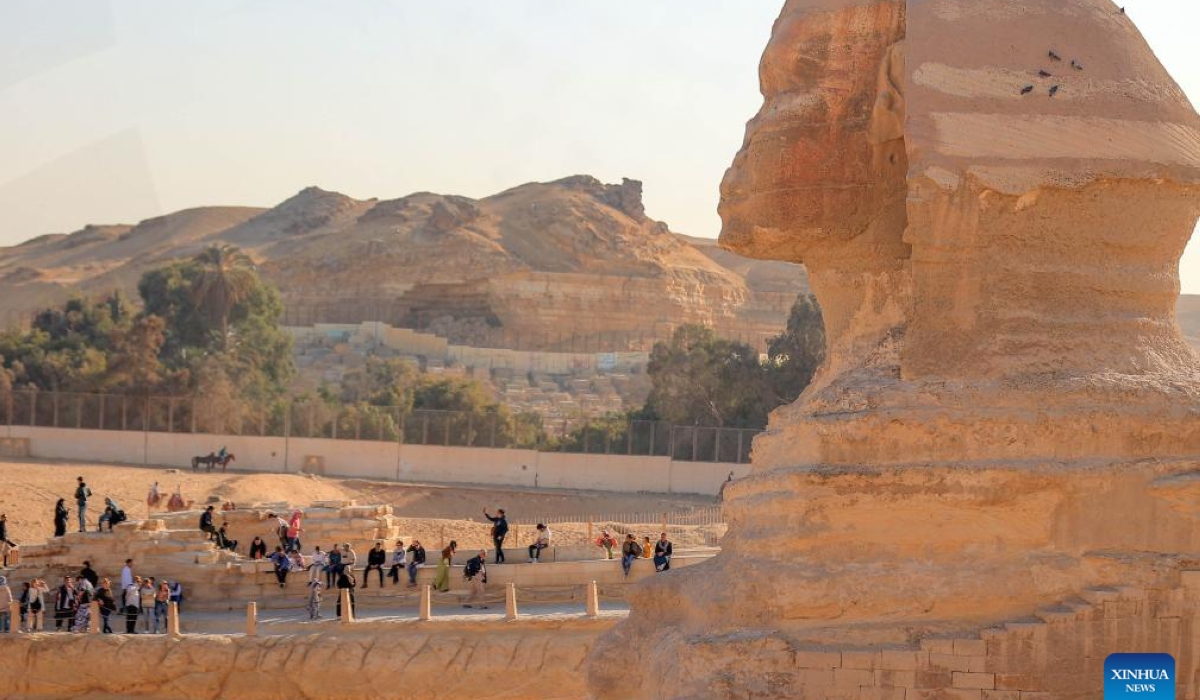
316 419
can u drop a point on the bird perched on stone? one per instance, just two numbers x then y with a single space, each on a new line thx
1027 89
1054 56
1122 10
1044 73
1076 64
1053 90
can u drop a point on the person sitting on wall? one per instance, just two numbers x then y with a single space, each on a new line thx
258 548
541 542
223 540
206 523
112 515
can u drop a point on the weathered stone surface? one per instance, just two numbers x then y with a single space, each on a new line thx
1008 414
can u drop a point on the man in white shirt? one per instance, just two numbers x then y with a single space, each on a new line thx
542 542
317 564
127 574
133 598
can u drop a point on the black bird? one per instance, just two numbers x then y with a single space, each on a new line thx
1055 57
1027 89
1044 74
1053 90
1076 64
1122 10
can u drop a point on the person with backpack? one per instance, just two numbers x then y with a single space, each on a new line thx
475 572
416 559
82 494
499 532
630 551
282 566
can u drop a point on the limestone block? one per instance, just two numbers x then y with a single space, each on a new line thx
984 681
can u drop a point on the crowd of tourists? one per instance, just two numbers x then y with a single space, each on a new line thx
69 604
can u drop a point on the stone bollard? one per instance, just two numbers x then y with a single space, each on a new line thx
93 618
251 619
592 600
173 619
510 602
14 618
347 609
424 607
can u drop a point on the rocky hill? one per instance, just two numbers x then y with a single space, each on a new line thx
539 266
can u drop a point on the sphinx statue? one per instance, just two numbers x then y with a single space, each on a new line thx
991 199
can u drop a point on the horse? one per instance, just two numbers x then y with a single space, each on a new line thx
225 462
208 460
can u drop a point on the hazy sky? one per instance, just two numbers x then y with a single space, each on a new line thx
118 110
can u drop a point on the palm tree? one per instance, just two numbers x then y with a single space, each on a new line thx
225 280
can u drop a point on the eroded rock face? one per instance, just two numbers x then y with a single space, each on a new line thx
997 269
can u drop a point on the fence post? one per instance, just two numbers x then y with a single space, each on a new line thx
446 431
629 437
425 429
93 618
592 600
78 412
192 406
591 530
101 423
493 441
510 601
741 435
124 413
695 441
347 609
664 523
173 619
425 606
55 403
653 431
251 619
717 449
170 415
33 408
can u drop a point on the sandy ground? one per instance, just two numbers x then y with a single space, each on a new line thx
29 489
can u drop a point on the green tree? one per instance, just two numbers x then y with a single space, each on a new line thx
226 280
795 355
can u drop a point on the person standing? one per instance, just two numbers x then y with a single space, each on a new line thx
376 558
108 604
6 601
4 531
161 597
334 568
294 530
87 573
399 562
441 581
83 613
64 604
499 532
314 599
662 553
146 595
630 550
607 542
127 574
475 572
540 542
177 595
60 517
37 605
131 599
82 494
416 560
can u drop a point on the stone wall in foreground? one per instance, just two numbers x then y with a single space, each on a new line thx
527 660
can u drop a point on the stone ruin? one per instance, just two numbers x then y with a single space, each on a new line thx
994 481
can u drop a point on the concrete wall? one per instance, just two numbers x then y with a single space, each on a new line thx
387 460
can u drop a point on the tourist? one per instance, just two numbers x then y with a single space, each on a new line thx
64 604
83 613
108 604
630 550
82 494
499 531
206 523
23 604
662 553
475 572
416 560
258 548
60 517
4 532
541 542
223 541
280 530
37 604
647 547
5 550
294 531
127 574
349 556
376 558
112 515
346 581
282 565
146 595
314 599
317 563
88 574
82 585
607 542
441 581
161 597
177 594
296 560
153 498
131 599
333 569
399 561
6 601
